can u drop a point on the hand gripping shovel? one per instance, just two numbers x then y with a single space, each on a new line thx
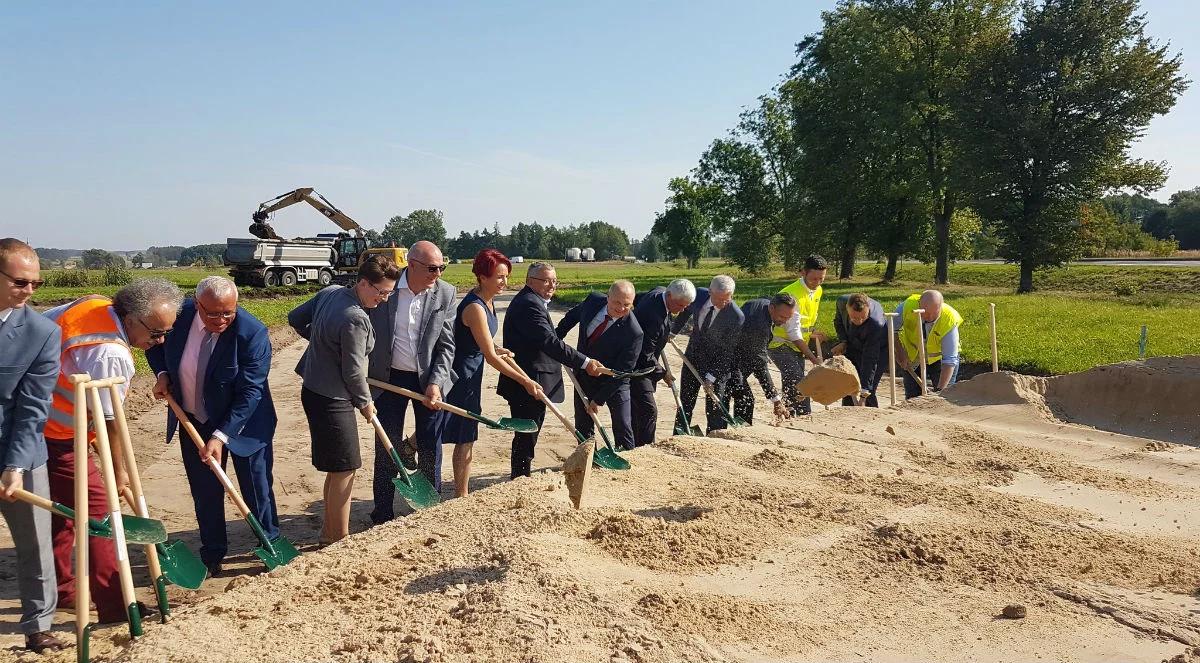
167 561
272 553
602 457
605 456
688 428
729 418
505 423
625 375
414 487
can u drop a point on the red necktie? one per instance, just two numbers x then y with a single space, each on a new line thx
599 330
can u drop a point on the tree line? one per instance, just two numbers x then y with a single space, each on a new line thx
922 128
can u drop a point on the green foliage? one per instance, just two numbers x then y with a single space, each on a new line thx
422 224
99 259
202 255
649 249
117 274
66 278
683 228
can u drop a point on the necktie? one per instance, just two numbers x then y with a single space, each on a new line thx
599 330
712 313
206 347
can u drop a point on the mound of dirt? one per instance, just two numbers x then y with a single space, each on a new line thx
1003 388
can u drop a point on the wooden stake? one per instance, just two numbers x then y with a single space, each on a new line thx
891 320
921 350
83 588
995 350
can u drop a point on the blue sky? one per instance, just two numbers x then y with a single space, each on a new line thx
136 124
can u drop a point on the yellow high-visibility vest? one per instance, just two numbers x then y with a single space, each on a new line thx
910 331
807 306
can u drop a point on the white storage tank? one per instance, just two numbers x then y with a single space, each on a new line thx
573 254
518 259
589 255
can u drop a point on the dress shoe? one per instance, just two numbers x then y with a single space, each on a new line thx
43 641
144 610
214 569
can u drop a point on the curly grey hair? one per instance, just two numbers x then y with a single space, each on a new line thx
142 296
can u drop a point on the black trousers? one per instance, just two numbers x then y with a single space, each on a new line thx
739 392
880 370
912 388
619 412
690 390
523 444
643 409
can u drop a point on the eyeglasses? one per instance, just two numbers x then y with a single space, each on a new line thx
155 334
383 294
553 282
218 315
21 283
433 269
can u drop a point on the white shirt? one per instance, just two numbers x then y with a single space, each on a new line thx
104 360
792 326
4 315
406 328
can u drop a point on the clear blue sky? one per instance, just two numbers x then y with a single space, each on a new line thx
135 124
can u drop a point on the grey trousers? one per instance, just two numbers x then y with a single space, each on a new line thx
30 528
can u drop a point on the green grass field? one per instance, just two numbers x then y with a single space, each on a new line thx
1083 316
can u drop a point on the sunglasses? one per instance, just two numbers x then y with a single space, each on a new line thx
22 283
155 334
433 269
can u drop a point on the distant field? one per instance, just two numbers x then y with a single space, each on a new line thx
1083 316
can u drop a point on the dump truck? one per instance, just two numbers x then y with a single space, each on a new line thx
270 260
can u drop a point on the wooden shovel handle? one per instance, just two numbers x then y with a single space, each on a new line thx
213 463
544 398
452 409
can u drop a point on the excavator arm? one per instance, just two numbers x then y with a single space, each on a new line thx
262 229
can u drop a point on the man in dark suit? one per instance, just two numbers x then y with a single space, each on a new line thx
611 335
215 365
29 364
653 311
862 330
716 321
537 349
761 317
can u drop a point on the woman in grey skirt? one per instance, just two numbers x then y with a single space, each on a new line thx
334 371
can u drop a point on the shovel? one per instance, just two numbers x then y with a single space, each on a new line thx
688 428
167 561
602 457
272 553
505 423
414 487
605 456
733 421
137 530
625 375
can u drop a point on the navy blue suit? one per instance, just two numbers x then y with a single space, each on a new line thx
712 351
238 401
655 320
866 346
617 348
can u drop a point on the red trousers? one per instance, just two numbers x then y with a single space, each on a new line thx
102 559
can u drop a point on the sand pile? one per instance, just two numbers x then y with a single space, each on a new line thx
751 546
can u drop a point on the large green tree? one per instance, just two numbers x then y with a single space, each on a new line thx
683 228
99 259
1052 117
422 224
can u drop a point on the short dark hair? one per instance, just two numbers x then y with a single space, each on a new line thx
783 299
378 267
859 302
814 261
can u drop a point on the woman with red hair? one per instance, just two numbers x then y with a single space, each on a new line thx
474 330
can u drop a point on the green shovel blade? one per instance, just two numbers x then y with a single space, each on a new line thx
280 551
417 490
609 460
518 425
180 565
137 529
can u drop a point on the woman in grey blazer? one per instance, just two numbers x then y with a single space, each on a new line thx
334 372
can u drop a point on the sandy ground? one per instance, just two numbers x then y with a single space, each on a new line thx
883 535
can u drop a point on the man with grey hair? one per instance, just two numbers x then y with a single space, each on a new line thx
97 334
414 349
711 348
215 365
654 311
609 334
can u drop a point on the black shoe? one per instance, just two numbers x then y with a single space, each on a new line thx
214 569
43 641
144 610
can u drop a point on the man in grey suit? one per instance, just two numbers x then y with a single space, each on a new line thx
29 365
414 349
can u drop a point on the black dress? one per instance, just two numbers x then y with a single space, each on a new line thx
467 391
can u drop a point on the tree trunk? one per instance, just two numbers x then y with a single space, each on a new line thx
889 274
941 224
1026 284
849 252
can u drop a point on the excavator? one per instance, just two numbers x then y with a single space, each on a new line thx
272 260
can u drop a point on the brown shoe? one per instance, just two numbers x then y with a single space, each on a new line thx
43 642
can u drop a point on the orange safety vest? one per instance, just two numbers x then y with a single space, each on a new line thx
90 320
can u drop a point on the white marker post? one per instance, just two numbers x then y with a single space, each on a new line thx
995 350
921 350
891 319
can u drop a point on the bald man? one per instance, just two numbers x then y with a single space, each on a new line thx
939 326
414 349
609 334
